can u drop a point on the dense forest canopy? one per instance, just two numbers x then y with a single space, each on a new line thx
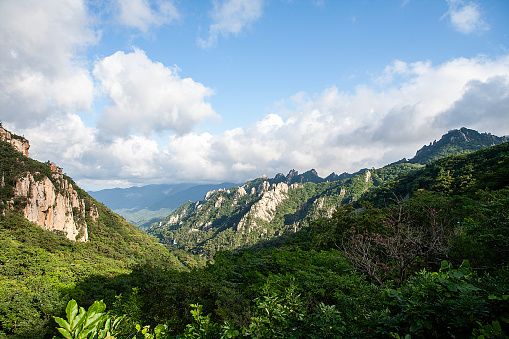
420 255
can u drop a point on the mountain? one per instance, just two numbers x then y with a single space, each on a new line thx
263 210
139 204
268 210
458 141
437 236
41 193
57 243
462 174
145 205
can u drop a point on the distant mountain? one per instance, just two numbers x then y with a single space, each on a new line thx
139 204
458 141
268 210
145 205
264 210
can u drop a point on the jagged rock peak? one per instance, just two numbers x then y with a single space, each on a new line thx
50 202
460 141
332 177
20 143
291 174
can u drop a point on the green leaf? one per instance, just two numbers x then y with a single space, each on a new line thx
92 321
496 326
63 323
71 310
452 287
97 307
65 333
107 324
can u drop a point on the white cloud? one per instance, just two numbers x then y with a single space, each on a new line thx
336 131
231 17
40 73
142 14
146 96
465 16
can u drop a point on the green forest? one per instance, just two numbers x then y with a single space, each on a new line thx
423 254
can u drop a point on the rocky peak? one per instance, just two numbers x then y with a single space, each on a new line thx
20 144
456 141
50 202
292 174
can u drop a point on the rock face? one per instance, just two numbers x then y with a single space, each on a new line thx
265 208
50 202
20 143
54 207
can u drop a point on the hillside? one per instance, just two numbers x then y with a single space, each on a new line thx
268 210
458 141
262 210
54 237
424 254
141 204
429 264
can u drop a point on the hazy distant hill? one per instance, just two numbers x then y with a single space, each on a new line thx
137 204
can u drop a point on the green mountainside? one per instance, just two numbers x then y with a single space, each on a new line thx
432 263
373 255
263 211
266 210
41 270
458 141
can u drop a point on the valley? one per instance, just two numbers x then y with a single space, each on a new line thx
416 248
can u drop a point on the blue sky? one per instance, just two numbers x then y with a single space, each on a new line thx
133 92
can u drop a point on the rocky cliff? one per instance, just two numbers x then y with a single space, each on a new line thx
259 211
53 207
19 143
42 194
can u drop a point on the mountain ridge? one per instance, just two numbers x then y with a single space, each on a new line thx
271 208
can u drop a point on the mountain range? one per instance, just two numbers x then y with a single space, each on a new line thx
143 206
267 210
324 248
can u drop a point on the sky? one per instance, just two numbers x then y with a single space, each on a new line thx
125 93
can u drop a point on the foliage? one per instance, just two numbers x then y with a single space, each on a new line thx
314 284
92 323
449 302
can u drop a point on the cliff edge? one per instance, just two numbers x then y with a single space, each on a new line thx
41 192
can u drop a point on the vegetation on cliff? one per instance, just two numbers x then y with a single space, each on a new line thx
422 256
40 270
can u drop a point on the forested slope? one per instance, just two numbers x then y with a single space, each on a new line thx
266 211
41 270
424 255
429 264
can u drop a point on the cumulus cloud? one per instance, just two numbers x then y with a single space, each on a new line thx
329 131
40 71
483 106
146 96
231 17
337 131
465 16
142 14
